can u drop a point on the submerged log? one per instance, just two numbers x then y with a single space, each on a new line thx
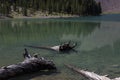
29 65
63 47
91 75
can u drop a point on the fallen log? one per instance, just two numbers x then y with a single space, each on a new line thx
32 64
63 47
90 75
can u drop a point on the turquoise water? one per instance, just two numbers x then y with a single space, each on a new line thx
97 38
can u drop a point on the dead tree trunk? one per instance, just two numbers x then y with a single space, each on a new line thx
90 75
27 66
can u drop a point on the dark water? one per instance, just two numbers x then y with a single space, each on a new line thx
97 38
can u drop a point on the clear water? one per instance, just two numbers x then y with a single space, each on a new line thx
98 46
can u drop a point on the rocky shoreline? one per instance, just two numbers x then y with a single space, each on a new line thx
38 14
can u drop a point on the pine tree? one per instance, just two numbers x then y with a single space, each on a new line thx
79 7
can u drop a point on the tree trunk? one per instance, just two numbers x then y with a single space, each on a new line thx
27 66
90 75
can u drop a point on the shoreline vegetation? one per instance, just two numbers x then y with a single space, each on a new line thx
49 8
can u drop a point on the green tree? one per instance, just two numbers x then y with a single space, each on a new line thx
79 7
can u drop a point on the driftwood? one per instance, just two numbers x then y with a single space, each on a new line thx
91 75
63 47
32 64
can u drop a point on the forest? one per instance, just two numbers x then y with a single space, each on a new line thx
75 7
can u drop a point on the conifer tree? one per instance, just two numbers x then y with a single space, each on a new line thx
78 7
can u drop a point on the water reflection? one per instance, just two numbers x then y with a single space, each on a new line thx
20 30
105 35
33 75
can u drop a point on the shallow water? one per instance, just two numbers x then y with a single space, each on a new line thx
97 38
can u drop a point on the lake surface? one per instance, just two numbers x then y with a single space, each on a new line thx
97 38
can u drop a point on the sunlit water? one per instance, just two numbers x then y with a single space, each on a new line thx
97 38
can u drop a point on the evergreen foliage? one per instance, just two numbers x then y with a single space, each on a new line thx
77 7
